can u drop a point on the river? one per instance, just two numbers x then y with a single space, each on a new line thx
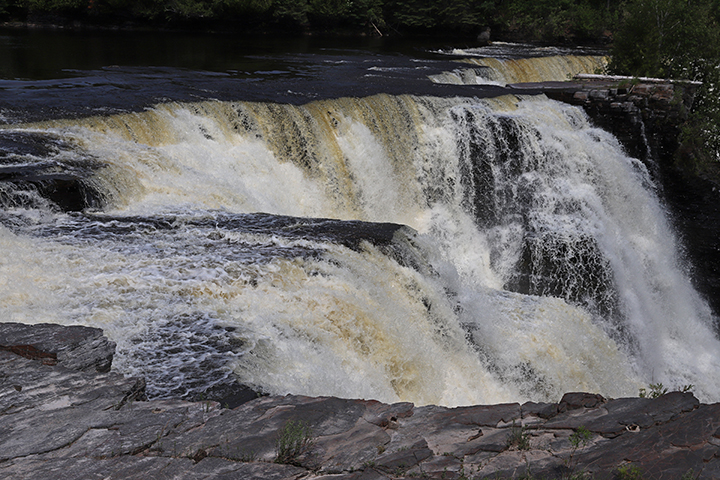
360 218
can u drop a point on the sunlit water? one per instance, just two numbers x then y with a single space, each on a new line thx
503 71
528 255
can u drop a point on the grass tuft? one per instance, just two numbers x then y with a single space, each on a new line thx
294 439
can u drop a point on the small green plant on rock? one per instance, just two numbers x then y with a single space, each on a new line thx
628 82
247 457
294 439
690 475
519 438
461 473
579 437
658 390
629 472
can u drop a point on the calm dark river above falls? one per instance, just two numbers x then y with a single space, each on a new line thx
51 74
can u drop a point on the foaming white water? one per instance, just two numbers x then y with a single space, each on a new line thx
376 330
582 189
507 194
502 71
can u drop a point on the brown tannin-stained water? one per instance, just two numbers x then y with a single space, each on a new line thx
333 222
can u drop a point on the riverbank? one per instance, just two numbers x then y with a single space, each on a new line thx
63 412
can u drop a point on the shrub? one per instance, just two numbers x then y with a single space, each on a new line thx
294 439
519 438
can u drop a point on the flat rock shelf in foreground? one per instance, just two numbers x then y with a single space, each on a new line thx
84 424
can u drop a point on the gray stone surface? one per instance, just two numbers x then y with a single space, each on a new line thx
74 347
56 422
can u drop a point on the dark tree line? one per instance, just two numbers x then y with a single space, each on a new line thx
678 39
550 20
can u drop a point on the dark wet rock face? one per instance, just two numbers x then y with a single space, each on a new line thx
33 171
81 423
644 114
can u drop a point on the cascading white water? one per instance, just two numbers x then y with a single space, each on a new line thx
505 194
503 71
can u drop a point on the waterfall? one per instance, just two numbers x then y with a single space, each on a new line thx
535 258
503 71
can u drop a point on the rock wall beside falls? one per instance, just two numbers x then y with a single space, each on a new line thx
89 424
644 113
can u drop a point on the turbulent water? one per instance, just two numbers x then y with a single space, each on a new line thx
397 247
503 71
503 63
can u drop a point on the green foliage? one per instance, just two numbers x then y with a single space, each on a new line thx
690 475
291 11
558 20
629 472
154 10
247 457
427 15
579 437
416 14
56 6
294 439
629 83
519 438
700 136
541 19
364 12
677 39
666 39
658 390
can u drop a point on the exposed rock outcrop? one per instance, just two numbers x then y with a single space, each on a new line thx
64 185
74 347
80 425
645 114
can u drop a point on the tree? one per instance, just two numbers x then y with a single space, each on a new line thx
291 11
677 39
415 14
557 20
666 38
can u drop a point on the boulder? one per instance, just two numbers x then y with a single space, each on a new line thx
74 347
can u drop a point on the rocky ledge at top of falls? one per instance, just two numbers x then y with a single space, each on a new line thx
645 114
62 418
